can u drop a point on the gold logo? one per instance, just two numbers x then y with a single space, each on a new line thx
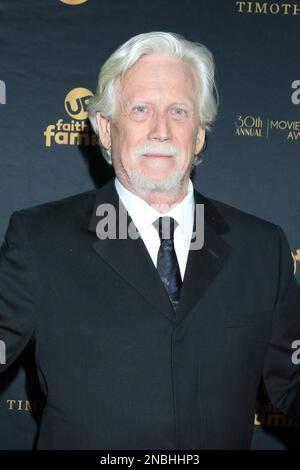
271 8
76 131
25 405
251 126
267 415
76 103
73 2
255 126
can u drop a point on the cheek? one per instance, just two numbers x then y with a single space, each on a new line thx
131 140
125 146
186 140
120 143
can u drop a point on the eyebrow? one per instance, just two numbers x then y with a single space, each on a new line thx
187 103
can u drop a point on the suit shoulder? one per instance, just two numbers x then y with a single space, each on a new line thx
239 219
68 201
69 207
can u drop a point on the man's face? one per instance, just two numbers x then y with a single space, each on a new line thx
155 131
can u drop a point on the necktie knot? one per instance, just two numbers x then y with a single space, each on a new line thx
165 227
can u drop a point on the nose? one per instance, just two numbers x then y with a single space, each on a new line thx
160 127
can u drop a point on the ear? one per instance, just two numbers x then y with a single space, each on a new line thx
104 130
200 140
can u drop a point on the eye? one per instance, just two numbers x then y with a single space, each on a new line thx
140 112
140 109
179 112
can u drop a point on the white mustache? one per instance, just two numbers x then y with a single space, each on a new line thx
160 149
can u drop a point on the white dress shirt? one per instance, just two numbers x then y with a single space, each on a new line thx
143 216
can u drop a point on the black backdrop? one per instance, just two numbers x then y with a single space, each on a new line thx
50 55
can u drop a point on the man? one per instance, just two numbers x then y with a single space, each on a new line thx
145 342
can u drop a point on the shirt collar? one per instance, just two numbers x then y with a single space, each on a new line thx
143 214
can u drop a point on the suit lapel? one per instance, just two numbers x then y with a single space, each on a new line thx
129 257
131 260
204 264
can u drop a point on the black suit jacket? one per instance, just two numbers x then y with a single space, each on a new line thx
118 371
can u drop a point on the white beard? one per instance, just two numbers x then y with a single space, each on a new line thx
172 184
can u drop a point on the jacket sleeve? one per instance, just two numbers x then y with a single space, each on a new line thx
282 362
18 292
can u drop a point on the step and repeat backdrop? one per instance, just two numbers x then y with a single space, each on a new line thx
50 55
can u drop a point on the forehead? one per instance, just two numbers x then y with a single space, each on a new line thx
157 74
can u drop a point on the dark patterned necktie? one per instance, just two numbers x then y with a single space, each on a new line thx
167 263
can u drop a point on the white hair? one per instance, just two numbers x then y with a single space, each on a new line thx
175 45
